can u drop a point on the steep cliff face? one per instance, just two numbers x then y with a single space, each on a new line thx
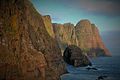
48 25
63 34
89 39
68 31
27 52
97 41
83 31
84 35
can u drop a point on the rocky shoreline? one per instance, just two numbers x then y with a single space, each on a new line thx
31 46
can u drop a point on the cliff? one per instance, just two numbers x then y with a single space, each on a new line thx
48 25
84 35
63 34
89 39
97 41
27 51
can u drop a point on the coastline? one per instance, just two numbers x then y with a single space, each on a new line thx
105 68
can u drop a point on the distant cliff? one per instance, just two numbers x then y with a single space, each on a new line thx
27 51
89 39
63 34
84 35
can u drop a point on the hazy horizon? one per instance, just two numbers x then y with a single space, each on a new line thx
104 13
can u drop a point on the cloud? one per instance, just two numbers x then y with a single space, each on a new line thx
105 7
102 7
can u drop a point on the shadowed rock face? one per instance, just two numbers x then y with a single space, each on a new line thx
73 55
27 52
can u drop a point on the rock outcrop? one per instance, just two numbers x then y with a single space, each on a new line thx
48 25
27 51
63 34
73 55
84 35
83 31
89 39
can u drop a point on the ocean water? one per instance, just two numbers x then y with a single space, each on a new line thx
106 66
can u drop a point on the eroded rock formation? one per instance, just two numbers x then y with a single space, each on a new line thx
89 39
73 55
48 25
84 35
63 34
27 52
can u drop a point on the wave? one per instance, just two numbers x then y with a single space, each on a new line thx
109 67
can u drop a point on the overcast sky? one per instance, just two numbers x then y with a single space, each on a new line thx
104 13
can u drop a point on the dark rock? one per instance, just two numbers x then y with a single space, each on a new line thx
73 55
93 68
101 77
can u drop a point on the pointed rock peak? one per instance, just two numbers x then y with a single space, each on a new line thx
84 23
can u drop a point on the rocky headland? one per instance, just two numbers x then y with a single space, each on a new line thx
85 35
34 48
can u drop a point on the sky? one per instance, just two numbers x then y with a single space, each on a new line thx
104 13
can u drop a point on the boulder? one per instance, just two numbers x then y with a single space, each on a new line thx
73 55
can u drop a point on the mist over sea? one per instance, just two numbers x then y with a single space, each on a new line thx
107 66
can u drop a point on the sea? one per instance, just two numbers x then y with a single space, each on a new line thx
108 68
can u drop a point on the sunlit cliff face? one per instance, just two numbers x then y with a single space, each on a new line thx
106 17
104 13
